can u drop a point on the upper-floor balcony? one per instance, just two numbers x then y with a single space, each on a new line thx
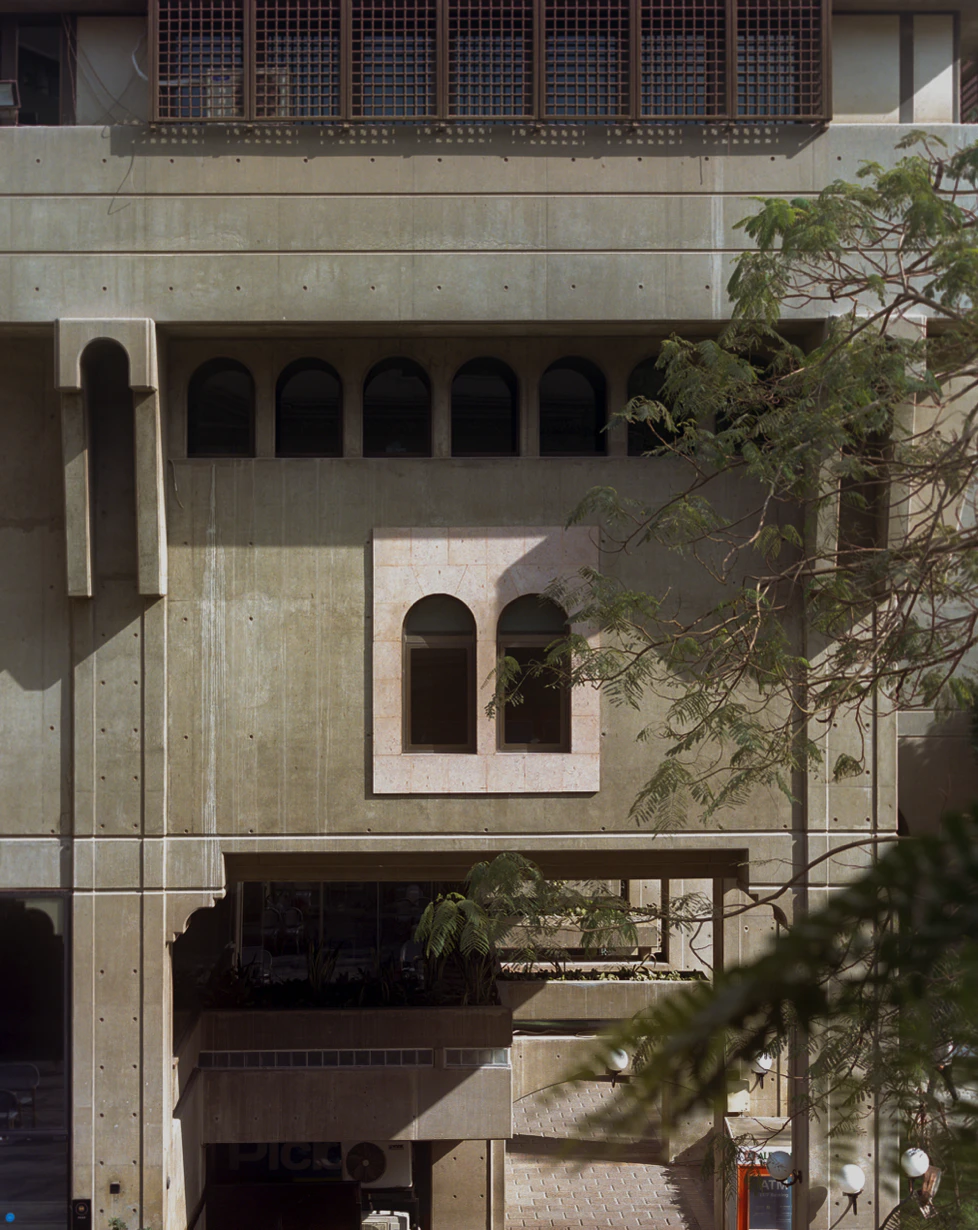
477 62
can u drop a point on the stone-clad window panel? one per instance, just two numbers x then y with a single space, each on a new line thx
486 569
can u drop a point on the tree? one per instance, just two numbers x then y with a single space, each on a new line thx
845 567
845 558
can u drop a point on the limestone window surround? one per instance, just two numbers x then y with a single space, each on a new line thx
486 568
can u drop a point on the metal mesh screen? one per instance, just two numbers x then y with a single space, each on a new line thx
490 59
779 60
586 47
297 59
200 59
393 48
574 61
683 60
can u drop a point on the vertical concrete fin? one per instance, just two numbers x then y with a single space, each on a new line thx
137 336
78 526
150 506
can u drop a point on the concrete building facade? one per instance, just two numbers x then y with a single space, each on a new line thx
310 313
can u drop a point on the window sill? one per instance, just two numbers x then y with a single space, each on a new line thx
501 773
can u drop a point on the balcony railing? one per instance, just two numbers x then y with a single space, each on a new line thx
491 61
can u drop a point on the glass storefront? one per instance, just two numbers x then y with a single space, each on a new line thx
33 1061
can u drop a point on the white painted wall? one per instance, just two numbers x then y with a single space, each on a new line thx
110 90
866 68
933 69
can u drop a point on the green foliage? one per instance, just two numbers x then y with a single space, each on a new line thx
508 906
883 981
827 530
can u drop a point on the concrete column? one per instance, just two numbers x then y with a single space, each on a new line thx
441 412
617 433
352 412
78 525
460 1185
150 500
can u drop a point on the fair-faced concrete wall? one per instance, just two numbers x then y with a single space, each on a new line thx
866 68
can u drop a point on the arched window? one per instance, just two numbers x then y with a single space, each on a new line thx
485 410
439 676
221 410
397 410
538 719
308 411
646 381
572 409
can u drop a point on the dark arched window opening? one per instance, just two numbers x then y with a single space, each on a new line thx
397 410
439 676
572 409
221 410
537 719
485 410
646 380
308 411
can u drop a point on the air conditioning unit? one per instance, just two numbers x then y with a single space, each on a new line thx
386 1221
378 1163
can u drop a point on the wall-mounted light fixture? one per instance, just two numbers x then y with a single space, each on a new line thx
780 1166
852 1180
617 1061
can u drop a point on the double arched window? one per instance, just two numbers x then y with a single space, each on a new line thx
221 410
537 719
397 410
439 676
573 398
309 410
485 410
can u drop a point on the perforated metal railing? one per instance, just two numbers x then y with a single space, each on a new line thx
546 61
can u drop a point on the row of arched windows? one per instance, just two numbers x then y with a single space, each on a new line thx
440 678
485 409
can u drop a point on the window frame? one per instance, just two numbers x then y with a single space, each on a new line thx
306 363
532 640
231 364
449 73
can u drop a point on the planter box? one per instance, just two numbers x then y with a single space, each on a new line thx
553 1000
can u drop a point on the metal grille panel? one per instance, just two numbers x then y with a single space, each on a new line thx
565 61
490 58
200 59
586 46
779 60
394 59
683 64
297 59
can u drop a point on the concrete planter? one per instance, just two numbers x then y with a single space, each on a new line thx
553 1000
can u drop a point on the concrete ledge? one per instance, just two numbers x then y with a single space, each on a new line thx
548 1000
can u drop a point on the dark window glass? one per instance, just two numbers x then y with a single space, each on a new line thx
221 410
308 414
587 60
572 409
540 719
646 381
394 58
33 1091
439 643
490 48
485 418
39 74
297 60
397 410
201 60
